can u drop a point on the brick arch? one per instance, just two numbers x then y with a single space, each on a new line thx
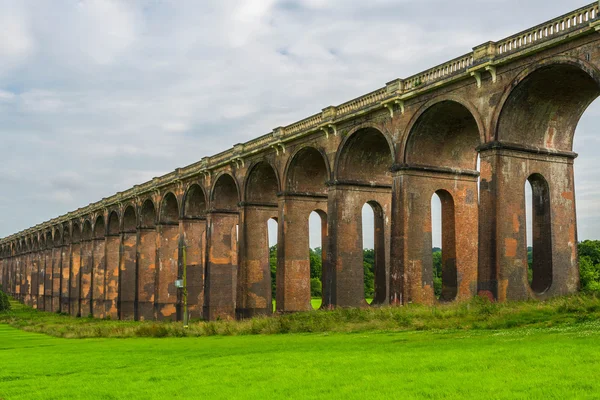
66 233
444 133
225 193
87 231
169 209
148 214
42 240
366 154
303 160
57 235
129 223
99 227
194 202
75 232
262 183
542 106
113 226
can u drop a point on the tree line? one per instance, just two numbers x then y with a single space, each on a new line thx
589 268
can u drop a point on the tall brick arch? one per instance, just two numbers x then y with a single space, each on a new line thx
363 175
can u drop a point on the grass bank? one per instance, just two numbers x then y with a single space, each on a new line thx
545 363
478 314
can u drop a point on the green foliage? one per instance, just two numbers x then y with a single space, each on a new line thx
589 265
4 301
316 263
316 270
530 265
273 264
315 287
369 276
437 272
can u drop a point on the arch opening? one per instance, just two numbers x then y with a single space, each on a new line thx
57 237
169 210
317 230
451 124
99 228
76 233
225 193
194 205
539 233
262 184
272 232
307 172
87 230
366 157
373 241
445 274
129 220
66 235
544 108
113 223
148 215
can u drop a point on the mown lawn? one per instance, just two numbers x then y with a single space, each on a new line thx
545 363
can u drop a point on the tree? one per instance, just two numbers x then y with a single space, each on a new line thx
437 271
589 265
4 302
369 276
316 263
273 264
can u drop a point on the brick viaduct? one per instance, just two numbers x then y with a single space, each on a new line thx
514 103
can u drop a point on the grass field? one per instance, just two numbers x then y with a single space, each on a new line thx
545 363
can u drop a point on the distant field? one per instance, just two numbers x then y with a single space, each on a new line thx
545 363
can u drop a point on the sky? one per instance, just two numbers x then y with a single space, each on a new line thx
99 95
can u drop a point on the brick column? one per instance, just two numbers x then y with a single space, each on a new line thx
75 280
85 278
346 201
293 262
46 254
56 270
503 254
146 273
221 266
65 279
168 268
33 281
111 290
254 278
194 231
98 276
127 277
411 277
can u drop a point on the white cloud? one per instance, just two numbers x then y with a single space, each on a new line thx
16 41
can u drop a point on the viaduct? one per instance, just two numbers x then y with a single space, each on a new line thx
514 103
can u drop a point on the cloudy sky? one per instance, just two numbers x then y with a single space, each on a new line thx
98 95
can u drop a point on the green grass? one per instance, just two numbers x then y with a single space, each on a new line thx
548 350
544 363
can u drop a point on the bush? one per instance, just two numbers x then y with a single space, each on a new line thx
315 287
4 302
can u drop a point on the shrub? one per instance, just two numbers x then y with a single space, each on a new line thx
4 302
315 287
154 330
